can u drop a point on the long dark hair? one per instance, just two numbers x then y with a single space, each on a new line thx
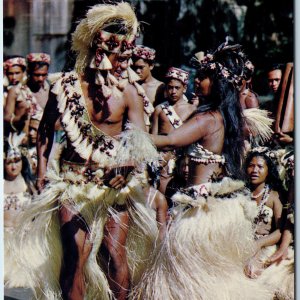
273 179
224 97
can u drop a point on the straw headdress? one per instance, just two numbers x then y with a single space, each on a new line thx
92 28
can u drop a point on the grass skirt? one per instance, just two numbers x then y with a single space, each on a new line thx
39 234
205 249
279 276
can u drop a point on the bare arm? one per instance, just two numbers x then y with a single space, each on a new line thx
190 132
21 112
155 120
45 138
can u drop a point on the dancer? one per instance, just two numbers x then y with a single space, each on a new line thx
210 236
86 197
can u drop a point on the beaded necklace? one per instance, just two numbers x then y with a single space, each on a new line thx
266 194
259 194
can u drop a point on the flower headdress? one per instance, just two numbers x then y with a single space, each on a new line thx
144 52
38 57
178 74
272 154
210 63
14 146
20 61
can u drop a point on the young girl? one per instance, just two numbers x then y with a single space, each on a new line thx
18 190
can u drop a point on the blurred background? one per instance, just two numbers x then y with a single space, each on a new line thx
177 29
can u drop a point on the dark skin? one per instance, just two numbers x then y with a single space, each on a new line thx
207 129
161 124
73 228
22 109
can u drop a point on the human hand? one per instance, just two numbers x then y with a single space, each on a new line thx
195 100
116 177
283 138
40 184
253 268
279 255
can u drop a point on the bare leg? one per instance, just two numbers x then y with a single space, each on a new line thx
116 231
159 203
76 249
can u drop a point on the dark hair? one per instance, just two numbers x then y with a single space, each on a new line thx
148 61
32 66
273 176
275 66
27 175
225 98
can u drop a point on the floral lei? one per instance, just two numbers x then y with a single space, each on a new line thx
89 141
171 114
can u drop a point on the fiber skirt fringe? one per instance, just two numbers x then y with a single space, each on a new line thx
37 246
279 277
205 249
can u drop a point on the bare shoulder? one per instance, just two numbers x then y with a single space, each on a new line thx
251 100
158 108
130 89
209 117
131 98
275 198
157 82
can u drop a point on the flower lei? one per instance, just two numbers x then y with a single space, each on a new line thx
88 141
171 114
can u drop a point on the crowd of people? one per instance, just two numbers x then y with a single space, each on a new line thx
117 186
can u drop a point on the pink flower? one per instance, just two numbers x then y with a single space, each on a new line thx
225 73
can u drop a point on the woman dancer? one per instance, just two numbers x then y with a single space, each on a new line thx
211 235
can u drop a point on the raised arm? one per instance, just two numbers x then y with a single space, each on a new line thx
45 137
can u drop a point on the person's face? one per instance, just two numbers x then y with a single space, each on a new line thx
175 90
14 74
119 64
33 127
202 86
274 78
39 75
257 170
12 167
184 168
143 69
33 160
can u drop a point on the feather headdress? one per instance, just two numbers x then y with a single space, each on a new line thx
14 145
93 31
